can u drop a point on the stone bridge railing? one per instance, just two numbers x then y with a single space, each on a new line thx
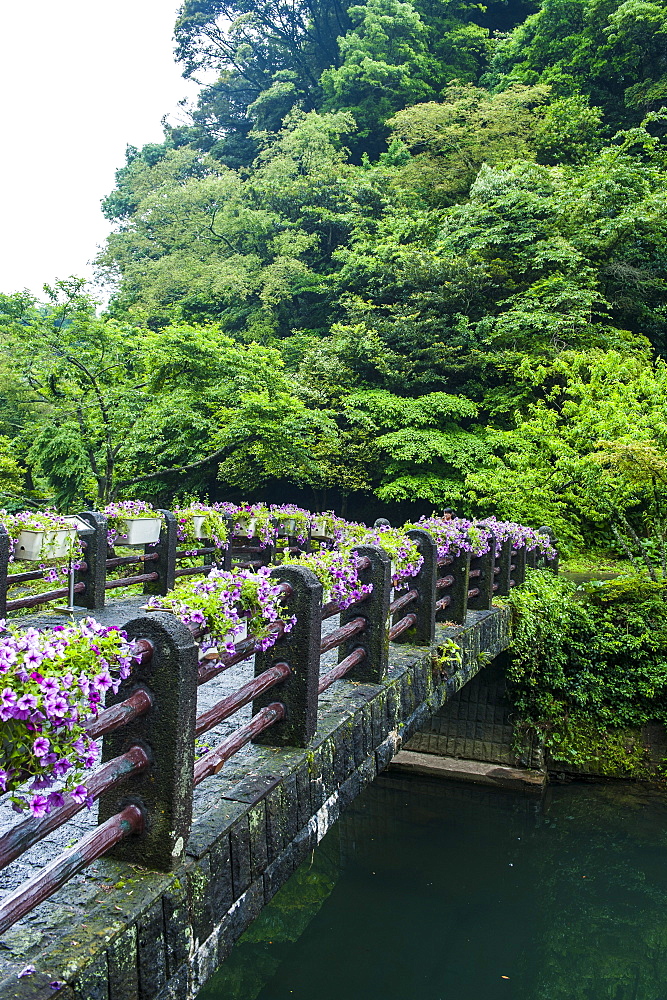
146 782
158 567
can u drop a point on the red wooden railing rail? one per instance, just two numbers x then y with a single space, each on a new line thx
29 895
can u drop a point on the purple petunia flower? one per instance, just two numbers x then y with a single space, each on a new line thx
39 805
41 746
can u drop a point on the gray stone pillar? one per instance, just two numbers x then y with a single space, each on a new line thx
95 558
503 563
165 566
551 564
4 568
164 791
300 649
375 609
457 608
422 632
519 562
483 582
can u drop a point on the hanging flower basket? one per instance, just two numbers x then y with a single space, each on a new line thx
229 605
198 521
254 521
132 522
34 546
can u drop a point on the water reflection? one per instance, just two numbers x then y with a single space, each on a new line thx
450 892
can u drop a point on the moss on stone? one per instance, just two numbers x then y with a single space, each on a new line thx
615 753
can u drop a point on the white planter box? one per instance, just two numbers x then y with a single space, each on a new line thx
139 531
287 528
318 528
246 530
212 654
36 545
197 523
78 522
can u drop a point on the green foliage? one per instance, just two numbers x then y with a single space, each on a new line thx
615 753
583 662
592 446
468 128
383 62
403 252
11 477
610 50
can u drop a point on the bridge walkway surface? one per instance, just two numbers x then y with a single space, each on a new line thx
121 932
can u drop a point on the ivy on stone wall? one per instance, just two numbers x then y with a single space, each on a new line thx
587 660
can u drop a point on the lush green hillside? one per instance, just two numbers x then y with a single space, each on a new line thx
402 255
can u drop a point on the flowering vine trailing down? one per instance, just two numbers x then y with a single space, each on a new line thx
406 560
301 520
520 535
460 535
337 570
213 528
48 522
51 683
256 516
456 536
225 603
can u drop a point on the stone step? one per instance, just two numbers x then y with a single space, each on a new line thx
477 772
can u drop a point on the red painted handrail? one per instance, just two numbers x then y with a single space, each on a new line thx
61 869
215 759
233 702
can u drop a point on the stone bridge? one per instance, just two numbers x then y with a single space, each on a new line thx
221 774
121 932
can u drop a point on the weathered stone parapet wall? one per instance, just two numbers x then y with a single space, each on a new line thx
121 933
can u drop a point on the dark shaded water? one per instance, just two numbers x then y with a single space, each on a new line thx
442 891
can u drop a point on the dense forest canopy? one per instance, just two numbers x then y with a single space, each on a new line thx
402 255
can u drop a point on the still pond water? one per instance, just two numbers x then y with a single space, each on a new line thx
438 891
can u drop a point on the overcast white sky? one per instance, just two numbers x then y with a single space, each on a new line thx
80 80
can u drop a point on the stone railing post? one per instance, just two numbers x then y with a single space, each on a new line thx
226 562
167 731
5 543
422 632
457 608
482 580
165 564
531 558
518 574
551 564
300 650
375 609
504 564
95 557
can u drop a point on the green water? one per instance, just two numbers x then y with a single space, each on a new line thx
438 891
